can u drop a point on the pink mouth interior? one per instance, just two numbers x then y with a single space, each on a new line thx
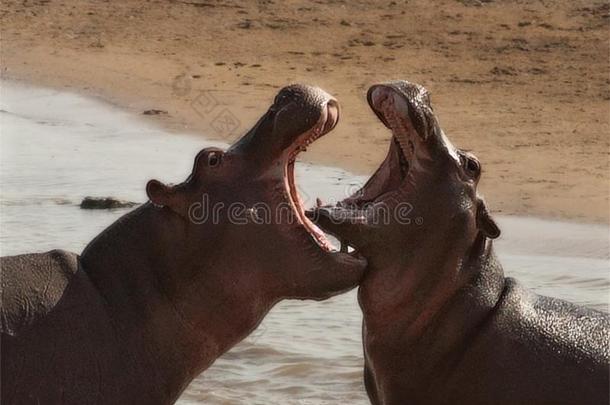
396 113
326 123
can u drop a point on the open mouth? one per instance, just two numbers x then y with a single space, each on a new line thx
396 114
404 109
325 124
393 110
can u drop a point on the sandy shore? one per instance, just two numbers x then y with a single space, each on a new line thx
525 85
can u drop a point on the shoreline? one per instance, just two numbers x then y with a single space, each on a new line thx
527 92
173 130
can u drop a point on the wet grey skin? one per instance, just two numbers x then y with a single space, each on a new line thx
442 325
160 294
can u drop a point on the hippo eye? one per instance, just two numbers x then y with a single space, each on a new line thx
213 159
472 166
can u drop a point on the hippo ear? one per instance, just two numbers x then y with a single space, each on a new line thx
159 194
484 221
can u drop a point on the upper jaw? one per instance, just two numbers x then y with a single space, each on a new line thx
328 119
403 107
299 115
337 220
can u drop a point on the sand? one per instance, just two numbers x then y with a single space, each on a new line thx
523 84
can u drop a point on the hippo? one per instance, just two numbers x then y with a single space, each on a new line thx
160 294
441 322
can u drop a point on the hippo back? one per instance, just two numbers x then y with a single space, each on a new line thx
535 349
31 286
57 340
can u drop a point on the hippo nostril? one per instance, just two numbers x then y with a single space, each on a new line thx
379 96
332 116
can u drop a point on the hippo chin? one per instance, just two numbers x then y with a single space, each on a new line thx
165 290
442 325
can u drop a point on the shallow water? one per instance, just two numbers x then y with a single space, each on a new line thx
57 148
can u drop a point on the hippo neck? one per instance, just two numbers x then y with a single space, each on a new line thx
472 303
135 265
257 149
472 283
431 333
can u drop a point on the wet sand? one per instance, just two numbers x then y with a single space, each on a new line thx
522 84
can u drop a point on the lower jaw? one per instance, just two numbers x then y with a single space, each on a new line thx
397 163
314 232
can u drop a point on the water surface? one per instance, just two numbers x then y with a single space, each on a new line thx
57 148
